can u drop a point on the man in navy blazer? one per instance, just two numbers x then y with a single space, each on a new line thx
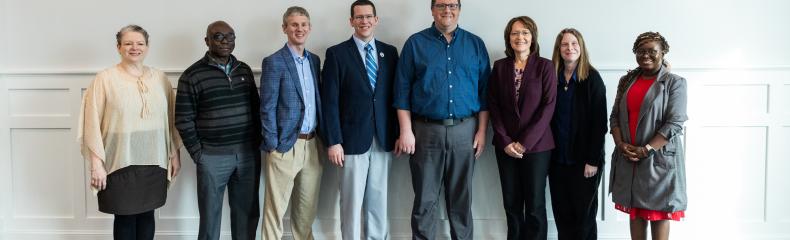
360 123
290 117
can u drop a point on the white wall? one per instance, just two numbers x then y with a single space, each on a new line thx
731 52
3 40
4 139
79 34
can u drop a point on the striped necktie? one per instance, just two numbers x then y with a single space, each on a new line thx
370 65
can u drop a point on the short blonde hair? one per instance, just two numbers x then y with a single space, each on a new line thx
295 10
131 28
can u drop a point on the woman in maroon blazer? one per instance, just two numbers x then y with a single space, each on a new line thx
522 91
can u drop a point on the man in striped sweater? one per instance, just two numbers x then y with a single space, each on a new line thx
218 119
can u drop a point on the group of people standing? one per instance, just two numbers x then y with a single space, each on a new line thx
433 102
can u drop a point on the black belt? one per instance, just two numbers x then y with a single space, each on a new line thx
443 122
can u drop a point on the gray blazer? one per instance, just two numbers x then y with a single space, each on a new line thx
657 182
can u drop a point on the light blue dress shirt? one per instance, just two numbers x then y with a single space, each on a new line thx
307 82
361 48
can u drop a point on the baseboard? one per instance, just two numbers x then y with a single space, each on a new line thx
176 235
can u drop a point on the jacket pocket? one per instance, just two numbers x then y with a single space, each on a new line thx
665 157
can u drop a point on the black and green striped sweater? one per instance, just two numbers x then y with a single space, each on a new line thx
218 112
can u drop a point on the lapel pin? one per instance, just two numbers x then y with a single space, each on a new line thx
381 54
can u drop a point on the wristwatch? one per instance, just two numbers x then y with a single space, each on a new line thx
650 150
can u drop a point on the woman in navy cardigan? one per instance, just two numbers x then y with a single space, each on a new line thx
579 128
522 89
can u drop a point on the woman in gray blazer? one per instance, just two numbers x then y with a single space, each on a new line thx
648 179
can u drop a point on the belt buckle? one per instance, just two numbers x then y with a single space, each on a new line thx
448 122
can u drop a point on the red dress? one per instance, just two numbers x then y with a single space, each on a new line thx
634 98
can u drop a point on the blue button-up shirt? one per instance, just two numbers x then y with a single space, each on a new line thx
439 79
307 82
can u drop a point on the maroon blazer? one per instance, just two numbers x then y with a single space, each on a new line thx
526 120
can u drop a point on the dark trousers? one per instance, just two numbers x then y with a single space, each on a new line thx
134 227
574 200
241 174
524 193
443 158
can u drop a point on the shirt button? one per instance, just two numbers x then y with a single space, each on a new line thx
448 45
451 101
449 72
448 59
451 114
374 99
451 86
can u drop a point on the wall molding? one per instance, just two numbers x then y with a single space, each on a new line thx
93 71
34 108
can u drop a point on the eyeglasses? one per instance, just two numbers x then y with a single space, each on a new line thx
648 51
224 36
451 6
364 17
520 33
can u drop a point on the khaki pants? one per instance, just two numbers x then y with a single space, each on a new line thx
292 177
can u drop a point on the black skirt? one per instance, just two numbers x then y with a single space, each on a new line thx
134 189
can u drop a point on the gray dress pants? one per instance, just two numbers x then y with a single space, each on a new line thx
240 173
443 158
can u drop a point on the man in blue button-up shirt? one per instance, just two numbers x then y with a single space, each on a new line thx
439 92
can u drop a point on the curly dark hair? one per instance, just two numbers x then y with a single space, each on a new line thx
651 36
631 75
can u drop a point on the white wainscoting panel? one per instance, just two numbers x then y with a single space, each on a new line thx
41 187
730 176
20 102
783 96
747 100
779 178
736 141
5 158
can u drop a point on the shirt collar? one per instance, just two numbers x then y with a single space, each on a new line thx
213 61
296 56
574 77
361 44
435 31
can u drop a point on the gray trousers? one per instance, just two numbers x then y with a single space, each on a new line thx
363 192
443 158
241 173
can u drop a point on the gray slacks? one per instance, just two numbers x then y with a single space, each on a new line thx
443 158
363 192
240 173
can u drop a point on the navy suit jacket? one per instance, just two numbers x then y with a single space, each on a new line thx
282 103
353 111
